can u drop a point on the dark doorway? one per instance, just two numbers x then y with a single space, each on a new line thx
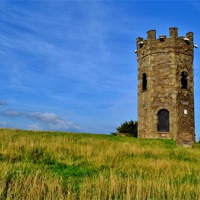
163 121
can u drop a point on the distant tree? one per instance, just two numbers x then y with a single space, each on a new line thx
128 127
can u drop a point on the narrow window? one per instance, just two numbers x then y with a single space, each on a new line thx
163 121
144 81
184 80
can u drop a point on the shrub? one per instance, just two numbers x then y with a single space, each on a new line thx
128 127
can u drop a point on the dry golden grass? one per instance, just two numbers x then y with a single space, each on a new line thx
50 165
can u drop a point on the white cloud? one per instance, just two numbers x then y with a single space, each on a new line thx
34 127
47 121
62 125
45 117
12 113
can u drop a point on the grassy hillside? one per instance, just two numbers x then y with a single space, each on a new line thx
50 165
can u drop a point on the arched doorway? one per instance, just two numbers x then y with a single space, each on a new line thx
163 121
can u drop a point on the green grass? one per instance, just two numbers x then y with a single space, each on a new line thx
54 165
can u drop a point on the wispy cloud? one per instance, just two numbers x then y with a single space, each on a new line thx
49 121
11 113
2 103
35 127
5 125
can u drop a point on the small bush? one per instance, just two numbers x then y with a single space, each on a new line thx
128 127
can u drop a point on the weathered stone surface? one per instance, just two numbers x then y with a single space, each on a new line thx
186 140
163 60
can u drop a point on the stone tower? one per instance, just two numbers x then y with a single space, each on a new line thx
166 87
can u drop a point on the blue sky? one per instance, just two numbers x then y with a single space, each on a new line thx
70 65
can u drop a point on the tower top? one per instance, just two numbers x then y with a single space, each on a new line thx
173 33
173 43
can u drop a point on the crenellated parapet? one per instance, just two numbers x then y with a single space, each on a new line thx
163 44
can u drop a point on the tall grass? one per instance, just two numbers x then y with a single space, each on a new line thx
50 165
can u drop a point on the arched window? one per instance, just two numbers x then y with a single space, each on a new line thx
144 81
163 121
184 83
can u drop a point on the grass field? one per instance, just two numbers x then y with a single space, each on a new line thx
52 165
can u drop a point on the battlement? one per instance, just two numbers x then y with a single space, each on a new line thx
164 44
173 34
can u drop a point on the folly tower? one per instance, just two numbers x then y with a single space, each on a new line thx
166 87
